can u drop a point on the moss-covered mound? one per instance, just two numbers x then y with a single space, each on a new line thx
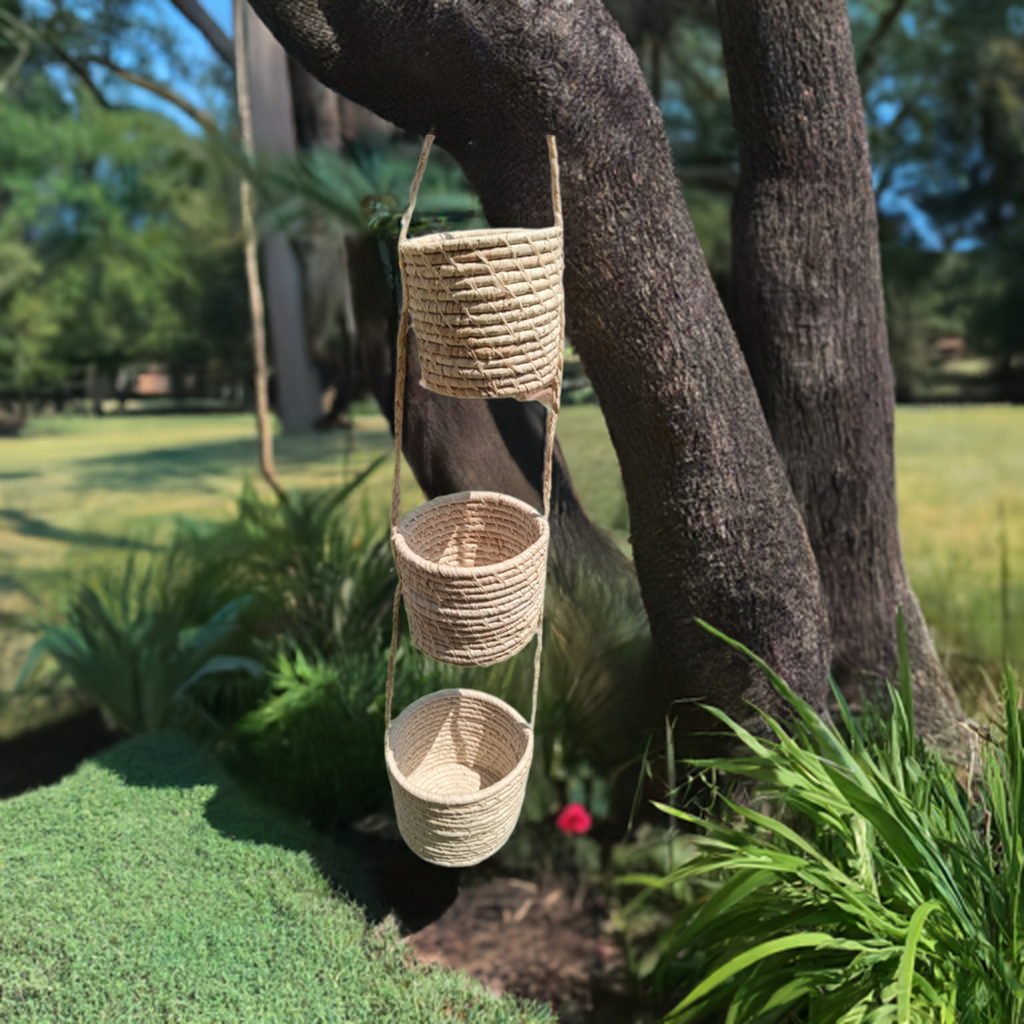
146 887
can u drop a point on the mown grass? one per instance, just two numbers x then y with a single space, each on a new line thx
960 480
79 489
146 887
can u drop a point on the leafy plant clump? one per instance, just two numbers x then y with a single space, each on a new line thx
871 888
182 638
316 746
134 638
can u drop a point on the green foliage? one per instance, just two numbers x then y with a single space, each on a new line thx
117 242
317 574
857 882
134 639
172 636
927 296
316 746
366 188
148 887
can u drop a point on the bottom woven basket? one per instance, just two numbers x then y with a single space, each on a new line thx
458 762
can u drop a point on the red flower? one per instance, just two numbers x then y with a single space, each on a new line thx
574 820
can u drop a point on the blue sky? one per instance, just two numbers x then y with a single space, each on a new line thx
220 11
192 42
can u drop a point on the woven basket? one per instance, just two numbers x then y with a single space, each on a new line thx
472 567
487 309
458 762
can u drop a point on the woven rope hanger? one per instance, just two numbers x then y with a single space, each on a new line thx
449 804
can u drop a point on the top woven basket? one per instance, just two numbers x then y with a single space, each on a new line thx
487 309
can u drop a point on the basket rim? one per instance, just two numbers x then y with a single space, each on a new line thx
404 551
470 798
440 241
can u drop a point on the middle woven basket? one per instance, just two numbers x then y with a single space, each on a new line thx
472 567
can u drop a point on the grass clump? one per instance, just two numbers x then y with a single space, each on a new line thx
147 887
859 883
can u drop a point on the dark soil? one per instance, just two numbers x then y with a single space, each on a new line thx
544 941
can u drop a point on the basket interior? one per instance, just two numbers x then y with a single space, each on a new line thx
472 532
456 744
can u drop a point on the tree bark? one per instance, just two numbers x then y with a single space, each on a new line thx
298 390
250 245
716 530
811 318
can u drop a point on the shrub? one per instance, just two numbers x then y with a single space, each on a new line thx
175 639
316 573
133 639
316 746
887 895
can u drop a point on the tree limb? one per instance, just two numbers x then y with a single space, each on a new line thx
257 305
75 65
194 11
164 92
870 53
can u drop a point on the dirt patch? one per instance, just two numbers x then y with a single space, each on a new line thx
544 941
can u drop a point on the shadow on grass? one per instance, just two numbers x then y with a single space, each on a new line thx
382 875
28 526
172 760
152 470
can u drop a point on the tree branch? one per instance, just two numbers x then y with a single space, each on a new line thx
28 31
257 305
870 52
197 14
164 92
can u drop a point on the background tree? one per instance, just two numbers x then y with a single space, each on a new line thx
810 315
117 238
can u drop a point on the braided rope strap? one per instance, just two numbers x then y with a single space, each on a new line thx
472 568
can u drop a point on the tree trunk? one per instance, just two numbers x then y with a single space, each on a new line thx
297 387
811 319
250 247
716 530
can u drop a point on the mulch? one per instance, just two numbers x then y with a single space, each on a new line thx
541 940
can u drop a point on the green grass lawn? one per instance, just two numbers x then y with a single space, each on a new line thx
146 887
78 489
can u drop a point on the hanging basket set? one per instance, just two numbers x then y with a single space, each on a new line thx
488 310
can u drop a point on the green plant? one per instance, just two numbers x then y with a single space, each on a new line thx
871 888
317 574
316 746
133 639
174 637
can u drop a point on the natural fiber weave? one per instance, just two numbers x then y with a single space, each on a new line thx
472 567
458 762
488 308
